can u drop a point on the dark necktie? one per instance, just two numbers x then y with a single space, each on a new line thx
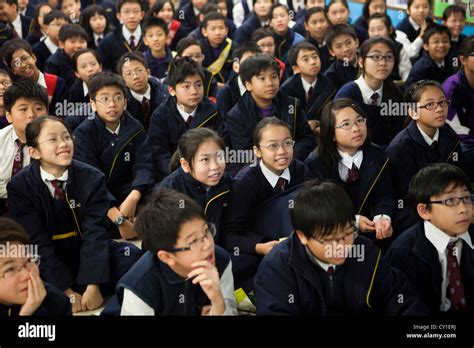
189 120
353 174
374 98
281 184
18 159
309 95
330 271
455 286
58 189
14 32
99 40
132 43
434 145
146 112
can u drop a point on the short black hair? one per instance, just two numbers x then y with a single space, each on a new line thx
338 30
33 129
415 90
467 46
365 9
35 29
11 231
435 28
154 22
157 7
433 180
60 3
27 89
254 1
190 141
213 16
13 2
313 10
11 46
452 9
410 2
208 8
128 57
70 31
245 47
120 3
89 12
55 15
159 221
321 209
261 33
81 52
262 124
182 67
295 50
184 43
105 79
386 21
254 65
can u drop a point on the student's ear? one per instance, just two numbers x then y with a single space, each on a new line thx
248 86
166 257
185 165
257 152
149 72
93 105
76 74
331 52
303 239
119 18
61 44
306 27
34 153
235 66
296 69
413 113
9 117
426 47
204 32
360 61
423 212
171 91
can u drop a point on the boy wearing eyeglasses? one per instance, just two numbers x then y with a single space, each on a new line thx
24 100
22 291
325 268
183 272
437 253
117 144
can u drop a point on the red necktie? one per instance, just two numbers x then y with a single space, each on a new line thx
189 120
353 174
146 112
14 32
18 159
281 184
374 98
58 189
455 286
132 43
330 271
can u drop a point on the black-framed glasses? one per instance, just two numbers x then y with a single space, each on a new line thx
15 269
348 237
197 243
433 105
379 57
347 125
454 201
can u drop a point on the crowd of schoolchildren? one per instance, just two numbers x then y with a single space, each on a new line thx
323 165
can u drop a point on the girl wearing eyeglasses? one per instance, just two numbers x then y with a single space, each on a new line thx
275 172
346 155
374 90
5 82
63 204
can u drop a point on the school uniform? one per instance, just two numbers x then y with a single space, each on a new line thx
241 11
168 124
284 43
176 32
158 66
410 151
324 56
125 159
382 124
245 115
421 252
156 94
189 19
455 45
29 11
94 40
340 73
212 57
115 45
43 50
55 303
412 31
6 34
253 186
362 22
312 102
427 69
56 88
368 287
210 84
361 33
109 7
214 200
299 23
61 64
230 94
152 288
22 25
245 31
79 92
33 38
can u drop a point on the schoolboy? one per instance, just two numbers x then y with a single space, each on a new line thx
454 17
158 56
257 19
19 23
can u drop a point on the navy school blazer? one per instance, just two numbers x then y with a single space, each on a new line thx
158 67
339 73
244 116
76 93
126 161
324 56
209 58
42 54
245 31
89 202
426 68
62 65
228 95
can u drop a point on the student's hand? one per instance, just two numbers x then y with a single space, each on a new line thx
36 294
366 225
129 205
315 128
126 230
265 248
423 25
383 228
220 85
75 299
92 298
206 310
206 275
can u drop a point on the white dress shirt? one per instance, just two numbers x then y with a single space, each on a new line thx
47 178
139 97
50 45
307 85
137 34
17 25
271 177
184 114
367 92
425 136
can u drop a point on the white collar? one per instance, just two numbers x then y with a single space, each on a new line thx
116 131
127 33
23 12
441 66
184 114
347 160
41 80
17 21
440 240
425 136
307 85
14 136
139 97
96 36
413 23
50 45
196 11
271 177
45 176
367 92
85 88
325 266
242 88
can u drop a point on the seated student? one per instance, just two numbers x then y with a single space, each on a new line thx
181 259
20 24
96 24
116 143
71 39
22 291
53 22
285 38
342 43
208 8
230 94
126 37
189 14
439 259
71 8
427 139
37 28
414 26
86 64
216 46
454 17
300 18
24 100
241 11
201 174
459 90
164 9
259 18
144 92
275 172
185 108
316 25
158 56
18 56
338 13
357 165
370 8
381 25
262 99
435 64
192 48
62 204
320 266
5 82
307 85
264 39
375 91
